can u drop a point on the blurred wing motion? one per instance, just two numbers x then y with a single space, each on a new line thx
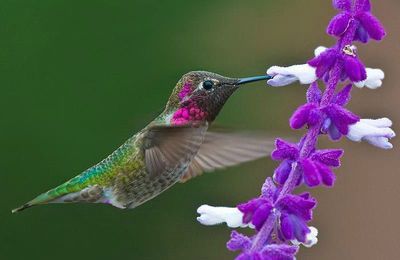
167 148
221 150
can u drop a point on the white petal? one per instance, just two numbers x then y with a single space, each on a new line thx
210 215
319 50
311 238
374 79
286 75
380 142
381 122
376 132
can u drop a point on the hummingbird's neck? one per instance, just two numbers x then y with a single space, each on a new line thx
182 110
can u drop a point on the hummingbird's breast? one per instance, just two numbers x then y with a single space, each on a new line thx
133 185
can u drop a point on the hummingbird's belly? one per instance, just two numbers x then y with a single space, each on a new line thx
142 187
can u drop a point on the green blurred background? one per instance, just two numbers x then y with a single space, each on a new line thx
80 77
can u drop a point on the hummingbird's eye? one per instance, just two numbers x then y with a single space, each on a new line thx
208 84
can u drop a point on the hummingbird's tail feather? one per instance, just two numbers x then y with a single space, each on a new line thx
66 193
41 199
21 208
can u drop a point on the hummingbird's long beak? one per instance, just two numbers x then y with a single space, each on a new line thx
253 79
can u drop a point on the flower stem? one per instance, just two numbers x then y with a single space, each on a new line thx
264 233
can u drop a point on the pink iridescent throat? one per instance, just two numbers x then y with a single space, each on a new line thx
189 110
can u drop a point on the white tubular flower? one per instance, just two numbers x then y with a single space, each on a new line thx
305 74
377 132
210 215
374 79
283 76
311 238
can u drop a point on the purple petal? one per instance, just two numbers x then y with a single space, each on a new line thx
339 24
310 173
249 208
324 62
341 117
372 25
354 68
334 133
293 227
249 256
238 242
269 189
314 94
363 6
342 4
329 157
302 115
261 215
327 176
278 252
301 231
282 172
299 206
284 150
287 228
343 97
361 35
314 117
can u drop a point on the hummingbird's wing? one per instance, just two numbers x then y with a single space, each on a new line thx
221 150
167 148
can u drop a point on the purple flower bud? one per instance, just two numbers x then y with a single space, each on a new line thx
354 68
329 157
305 114
282 172
343 96
256 211
324 62
339 24
372 26
238 242
314 94
315 173
344 5
284 150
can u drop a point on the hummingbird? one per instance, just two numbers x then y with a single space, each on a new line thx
175 147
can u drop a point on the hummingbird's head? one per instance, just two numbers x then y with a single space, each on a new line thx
200 95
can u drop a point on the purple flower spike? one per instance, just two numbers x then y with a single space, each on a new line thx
280 217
